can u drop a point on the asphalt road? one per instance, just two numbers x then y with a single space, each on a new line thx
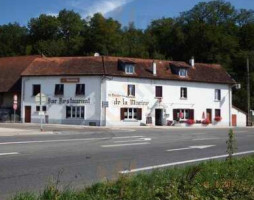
76 157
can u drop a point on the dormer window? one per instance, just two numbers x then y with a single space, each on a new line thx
129 69
182 72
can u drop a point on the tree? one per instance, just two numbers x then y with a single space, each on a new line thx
13 40
133 44
104 35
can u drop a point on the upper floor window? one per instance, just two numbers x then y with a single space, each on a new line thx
217 94
183 92
36 89
158 91
80 89
59 89
182 72
131 90
129 69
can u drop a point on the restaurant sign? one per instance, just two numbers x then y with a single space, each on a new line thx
71 100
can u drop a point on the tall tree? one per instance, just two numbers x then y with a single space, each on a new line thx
13 40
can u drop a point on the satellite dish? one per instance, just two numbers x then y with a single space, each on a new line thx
96 54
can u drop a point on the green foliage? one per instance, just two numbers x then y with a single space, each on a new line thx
212 32
231 145
211 180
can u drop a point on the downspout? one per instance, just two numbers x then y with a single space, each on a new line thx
230 104
102 117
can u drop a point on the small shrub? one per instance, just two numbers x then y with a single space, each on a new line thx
190 122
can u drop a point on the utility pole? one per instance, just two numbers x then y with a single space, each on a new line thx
248 93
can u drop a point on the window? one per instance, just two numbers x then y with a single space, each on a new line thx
36 89
80 89
131 90
59 89
183 94
129 69
217 113
44 108
38 108
75 112
217 95
131 113
182 72
158 91
183 114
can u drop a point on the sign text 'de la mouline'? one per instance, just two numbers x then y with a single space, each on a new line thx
68 101
129 102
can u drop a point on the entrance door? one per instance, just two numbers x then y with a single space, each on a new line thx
27 114
234 120
158 117
209 114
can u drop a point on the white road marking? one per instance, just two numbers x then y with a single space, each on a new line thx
11 153
137 140
201 139
66 140
122 145
127 137
192 147
182 162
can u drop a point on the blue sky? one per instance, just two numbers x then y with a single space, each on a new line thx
139 11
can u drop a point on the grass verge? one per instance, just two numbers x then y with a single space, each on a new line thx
215 180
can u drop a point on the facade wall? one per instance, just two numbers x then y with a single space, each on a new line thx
57 105
201 96
241 117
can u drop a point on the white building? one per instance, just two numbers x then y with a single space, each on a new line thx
115 91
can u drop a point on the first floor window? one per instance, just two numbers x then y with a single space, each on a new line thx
217 95
80 89
75 112
59 89
131 90
183 94
36 89
158 91
183 114
131 113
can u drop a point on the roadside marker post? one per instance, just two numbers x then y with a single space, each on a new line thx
41 99
15 106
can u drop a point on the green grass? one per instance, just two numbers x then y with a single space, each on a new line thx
213 180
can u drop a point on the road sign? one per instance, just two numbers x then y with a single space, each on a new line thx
15 106
15 98
41 113
41 99
105 104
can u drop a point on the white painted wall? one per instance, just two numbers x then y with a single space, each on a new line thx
200 97
57 112
241 117
98 89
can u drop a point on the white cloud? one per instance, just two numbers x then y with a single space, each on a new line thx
98 6
52 14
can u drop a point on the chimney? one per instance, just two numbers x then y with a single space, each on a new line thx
192 61
154 68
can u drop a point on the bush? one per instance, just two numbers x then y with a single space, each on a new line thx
210 180
190 122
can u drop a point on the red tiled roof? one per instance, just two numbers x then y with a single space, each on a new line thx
10 71
107 65
57 66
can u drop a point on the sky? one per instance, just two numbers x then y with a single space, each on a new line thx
141 12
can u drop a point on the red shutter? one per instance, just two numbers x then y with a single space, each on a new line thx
122 113
175 114
139 114
191 114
